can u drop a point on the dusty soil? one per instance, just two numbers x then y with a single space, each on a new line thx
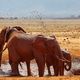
6 69
5 72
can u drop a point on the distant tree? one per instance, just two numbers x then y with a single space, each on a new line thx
15 17
1 17
37 15
72 16
78 16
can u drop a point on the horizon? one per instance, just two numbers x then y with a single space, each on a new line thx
27 8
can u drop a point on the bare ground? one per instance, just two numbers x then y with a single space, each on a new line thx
75 70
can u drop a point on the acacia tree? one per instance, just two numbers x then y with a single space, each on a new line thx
37 15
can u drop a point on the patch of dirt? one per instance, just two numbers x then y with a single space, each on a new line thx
6 69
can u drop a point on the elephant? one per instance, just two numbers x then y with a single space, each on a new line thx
2 42
34 47
2 45
50 62
23 53
55 54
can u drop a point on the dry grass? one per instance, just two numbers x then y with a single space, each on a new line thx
62 29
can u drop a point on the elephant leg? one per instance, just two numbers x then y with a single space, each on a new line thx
56 67
62 69
49 72
40 60
41 65
0 59
56 70
28 68
10 62
13 60
15 71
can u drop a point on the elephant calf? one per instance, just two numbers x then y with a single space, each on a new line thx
51 62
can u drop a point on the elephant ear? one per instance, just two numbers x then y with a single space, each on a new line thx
6 34
20 29
3 36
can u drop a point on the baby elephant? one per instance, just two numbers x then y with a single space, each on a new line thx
51 62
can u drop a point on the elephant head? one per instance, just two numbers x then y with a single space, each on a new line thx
67 55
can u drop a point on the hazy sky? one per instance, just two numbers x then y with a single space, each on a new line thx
45 7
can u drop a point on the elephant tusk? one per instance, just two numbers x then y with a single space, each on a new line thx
3 49
59 58
64 60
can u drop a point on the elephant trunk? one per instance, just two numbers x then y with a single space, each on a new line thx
67 66
2 50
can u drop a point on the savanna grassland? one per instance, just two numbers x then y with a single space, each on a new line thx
67 33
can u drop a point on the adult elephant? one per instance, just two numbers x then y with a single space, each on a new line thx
20 48
33 47
50 62
2 42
